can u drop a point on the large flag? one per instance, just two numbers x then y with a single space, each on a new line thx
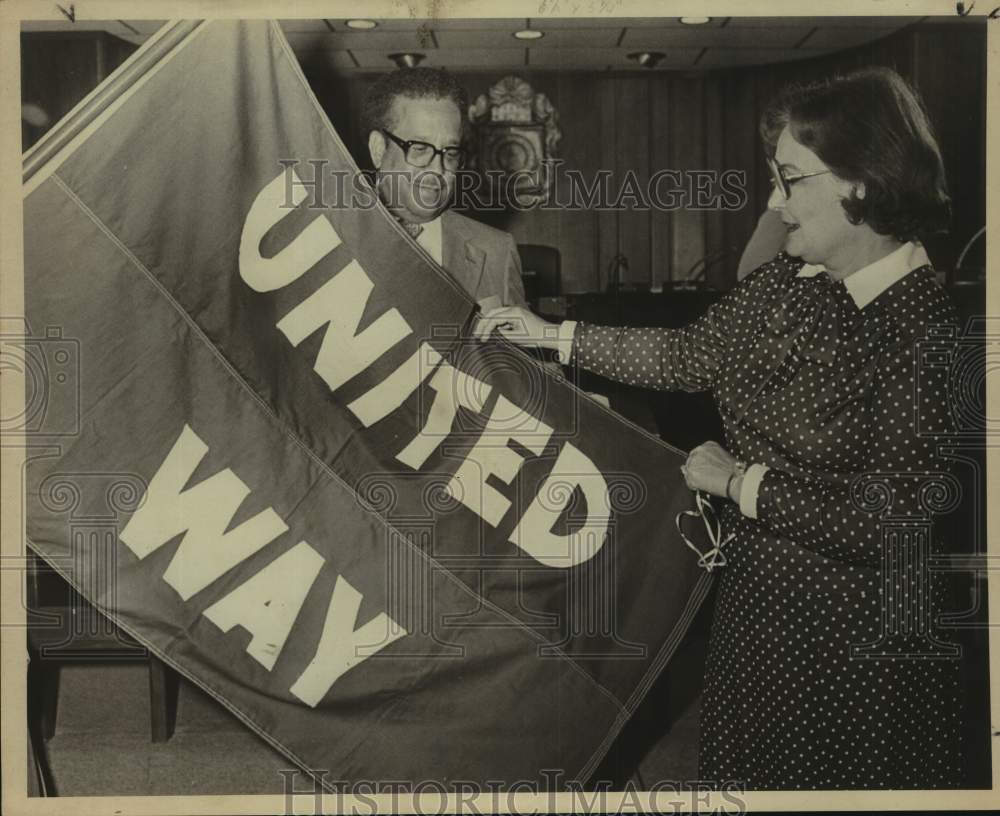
391 551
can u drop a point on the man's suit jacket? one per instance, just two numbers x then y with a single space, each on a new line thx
482 259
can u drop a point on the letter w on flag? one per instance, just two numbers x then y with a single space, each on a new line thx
391 552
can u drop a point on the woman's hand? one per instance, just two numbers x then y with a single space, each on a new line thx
519 326
709 467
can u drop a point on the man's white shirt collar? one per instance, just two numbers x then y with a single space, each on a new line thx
431 239
871 281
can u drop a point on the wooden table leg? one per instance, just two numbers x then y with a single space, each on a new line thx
163 690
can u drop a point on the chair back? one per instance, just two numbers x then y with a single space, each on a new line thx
540 271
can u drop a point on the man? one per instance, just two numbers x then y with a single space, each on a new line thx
414 120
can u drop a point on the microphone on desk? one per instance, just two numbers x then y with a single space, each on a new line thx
700 267
690 280
618 262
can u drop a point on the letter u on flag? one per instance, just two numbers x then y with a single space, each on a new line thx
392 552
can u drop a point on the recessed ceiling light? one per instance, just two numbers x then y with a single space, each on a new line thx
695 20
529 34
647 59
362 25
407 59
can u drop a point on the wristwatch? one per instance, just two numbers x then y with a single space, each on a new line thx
738 471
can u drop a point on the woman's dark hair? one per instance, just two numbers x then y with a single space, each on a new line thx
413 83
869 126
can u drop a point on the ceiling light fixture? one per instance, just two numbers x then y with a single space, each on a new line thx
529 34
361 25
695 20
647 59
407 59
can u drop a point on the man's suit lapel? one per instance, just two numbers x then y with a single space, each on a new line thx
459 255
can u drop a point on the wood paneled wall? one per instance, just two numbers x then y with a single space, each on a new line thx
59 68
645 122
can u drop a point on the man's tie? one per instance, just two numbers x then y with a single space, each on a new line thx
413 229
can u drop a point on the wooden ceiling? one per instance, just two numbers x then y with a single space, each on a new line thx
588 44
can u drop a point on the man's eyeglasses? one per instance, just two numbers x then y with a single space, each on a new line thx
421 154
714 557
784 183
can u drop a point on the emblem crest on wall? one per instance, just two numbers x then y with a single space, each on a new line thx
515 131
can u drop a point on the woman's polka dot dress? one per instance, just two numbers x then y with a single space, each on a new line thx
821 391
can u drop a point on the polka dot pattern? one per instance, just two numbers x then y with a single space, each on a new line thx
820 391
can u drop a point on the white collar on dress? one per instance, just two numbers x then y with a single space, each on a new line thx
871 281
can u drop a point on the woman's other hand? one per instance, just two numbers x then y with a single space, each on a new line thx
709 467
519 326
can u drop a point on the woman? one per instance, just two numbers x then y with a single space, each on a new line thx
811 362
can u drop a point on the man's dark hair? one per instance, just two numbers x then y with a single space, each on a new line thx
869 126
413 83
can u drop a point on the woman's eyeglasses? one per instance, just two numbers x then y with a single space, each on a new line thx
784 183
714 557
421 154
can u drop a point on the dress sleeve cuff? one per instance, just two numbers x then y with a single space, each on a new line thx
751 487
564 341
